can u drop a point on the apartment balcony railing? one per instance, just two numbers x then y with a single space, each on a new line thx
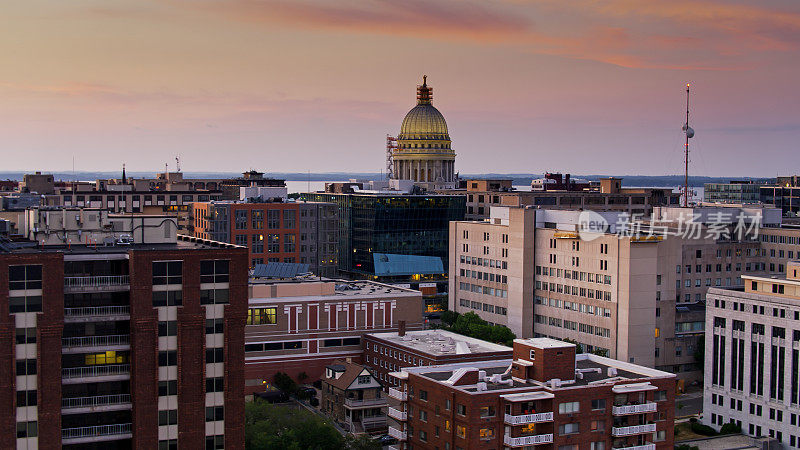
397 434
528 418
637 447
523 441
96 282
365 403
95 431
398 394
96 311
96 341
634 429
397 414
96 371
634 409
93 402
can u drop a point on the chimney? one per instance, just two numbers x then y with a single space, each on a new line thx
401 328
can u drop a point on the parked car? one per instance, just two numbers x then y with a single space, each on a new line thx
275 396
306 392
387 440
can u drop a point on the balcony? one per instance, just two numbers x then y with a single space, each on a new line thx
95 313
95 374
637 447
99 283
529 418
84 343
634 429
97 433
396 414
397 434
523 441
351 403
398 394
634 409
100 403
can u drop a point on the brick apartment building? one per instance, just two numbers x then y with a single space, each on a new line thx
301 326
391 351
291 232
545 397
123 344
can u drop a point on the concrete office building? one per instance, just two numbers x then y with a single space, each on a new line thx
752 356
544 397
132 340
302 325
635 298
736 191
608 195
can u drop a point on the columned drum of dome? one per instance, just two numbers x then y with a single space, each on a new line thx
423 153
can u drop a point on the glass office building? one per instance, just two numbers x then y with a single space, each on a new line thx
378 224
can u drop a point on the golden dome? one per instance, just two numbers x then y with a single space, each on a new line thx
424 121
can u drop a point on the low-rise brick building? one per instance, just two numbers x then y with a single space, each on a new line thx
545 397
391 351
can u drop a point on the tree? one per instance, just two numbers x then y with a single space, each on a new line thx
361 442
471 324
285 383
449 317
269 427
578 345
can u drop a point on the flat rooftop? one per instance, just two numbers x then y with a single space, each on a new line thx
590 370
367 288
312 288
441 343
182 243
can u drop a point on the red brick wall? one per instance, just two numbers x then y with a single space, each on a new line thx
48 342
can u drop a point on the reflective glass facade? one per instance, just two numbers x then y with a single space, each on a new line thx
396 224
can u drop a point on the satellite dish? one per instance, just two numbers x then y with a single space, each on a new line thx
689 131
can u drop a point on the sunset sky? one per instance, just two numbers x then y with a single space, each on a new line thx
581 86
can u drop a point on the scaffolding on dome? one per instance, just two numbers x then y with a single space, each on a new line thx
391 147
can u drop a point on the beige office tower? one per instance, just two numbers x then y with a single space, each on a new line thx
638 299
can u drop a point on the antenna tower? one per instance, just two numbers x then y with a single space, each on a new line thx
178 164
689 132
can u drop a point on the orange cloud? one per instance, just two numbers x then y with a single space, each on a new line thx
624 38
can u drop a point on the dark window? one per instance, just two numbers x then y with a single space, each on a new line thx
171 444
27 429
351 341
214 297
26 367
167 272
214 326
215 442
24 277
168 417
168 328
215 384
215 413
26 398
258 347
167 298
168 358
26 335
167 388
293 345
30 303
214 271
332 343
215 355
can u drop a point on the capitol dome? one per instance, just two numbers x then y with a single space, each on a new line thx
423 152
424 121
